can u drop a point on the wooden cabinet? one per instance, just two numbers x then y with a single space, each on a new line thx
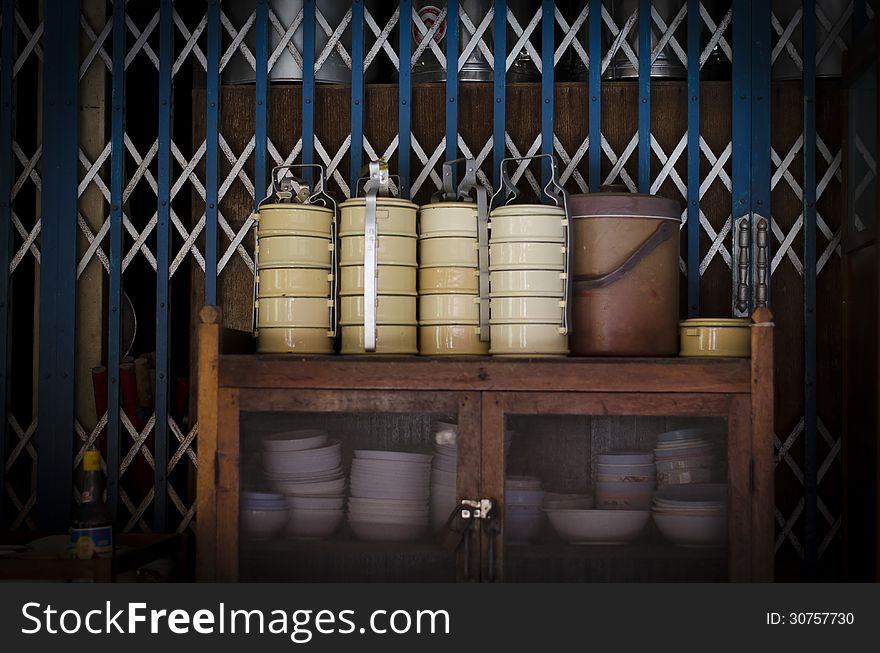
562 412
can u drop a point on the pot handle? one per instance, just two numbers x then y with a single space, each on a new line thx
661 234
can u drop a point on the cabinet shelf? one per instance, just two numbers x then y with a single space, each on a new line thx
400 395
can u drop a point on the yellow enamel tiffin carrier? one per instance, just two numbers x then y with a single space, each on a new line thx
378 263
529 261
453 257
295 255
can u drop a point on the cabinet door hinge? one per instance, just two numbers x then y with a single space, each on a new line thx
216 468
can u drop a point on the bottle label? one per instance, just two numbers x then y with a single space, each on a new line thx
88 543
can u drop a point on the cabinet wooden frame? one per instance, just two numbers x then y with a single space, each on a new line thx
482 391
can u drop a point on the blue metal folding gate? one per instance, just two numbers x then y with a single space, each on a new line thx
63 239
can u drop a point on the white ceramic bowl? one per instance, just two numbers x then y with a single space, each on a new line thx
626 470
448 219
526 256
526 283
451 340
697 494
294 282
394 216
260 524
396 456
693 529
463 280
315 503
390 339
294 219
390 280
376 531
681 434
333 487
626 458
294 251
390 309
390 250
294 340
310 312
297 440
598 526
686 476
526 310
524 340
449 309
449 253
625 496
555 500
313 524
527 223
514 497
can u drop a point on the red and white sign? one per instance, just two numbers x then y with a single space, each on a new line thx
429 15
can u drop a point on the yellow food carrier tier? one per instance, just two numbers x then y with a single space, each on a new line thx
377 256
454 267
529 263
295 256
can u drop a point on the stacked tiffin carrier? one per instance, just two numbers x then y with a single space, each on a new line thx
378 265
449 269
295 255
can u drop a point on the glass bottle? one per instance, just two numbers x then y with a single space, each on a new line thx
91 535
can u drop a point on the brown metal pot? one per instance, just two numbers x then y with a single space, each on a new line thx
625 275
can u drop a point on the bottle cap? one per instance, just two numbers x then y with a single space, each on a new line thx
92 460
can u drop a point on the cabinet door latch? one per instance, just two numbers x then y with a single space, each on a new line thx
477 508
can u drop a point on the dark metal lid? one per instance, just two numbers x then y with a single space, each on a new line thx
624 205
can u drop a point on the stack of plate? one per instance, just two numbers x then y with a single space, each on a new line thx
389 495
693 514
449 274
625 481
523 508
686 456
294 275
306 467
526 280
262 514
396 325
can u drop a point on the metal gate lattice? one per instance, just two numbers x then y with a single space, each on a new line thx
618 163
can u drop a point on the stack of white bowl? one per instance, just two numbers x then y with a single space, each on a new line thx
526 280
389 495
262 514
294 277
307 468
692 514
523 508
449 273
396 245
686 456
625 480
444 473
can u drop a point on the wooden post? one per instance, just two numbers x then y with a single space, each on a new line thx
762 526
90 295
208 363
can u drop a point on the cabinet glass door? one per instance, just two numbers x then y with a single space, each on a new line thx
355 495
615 498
